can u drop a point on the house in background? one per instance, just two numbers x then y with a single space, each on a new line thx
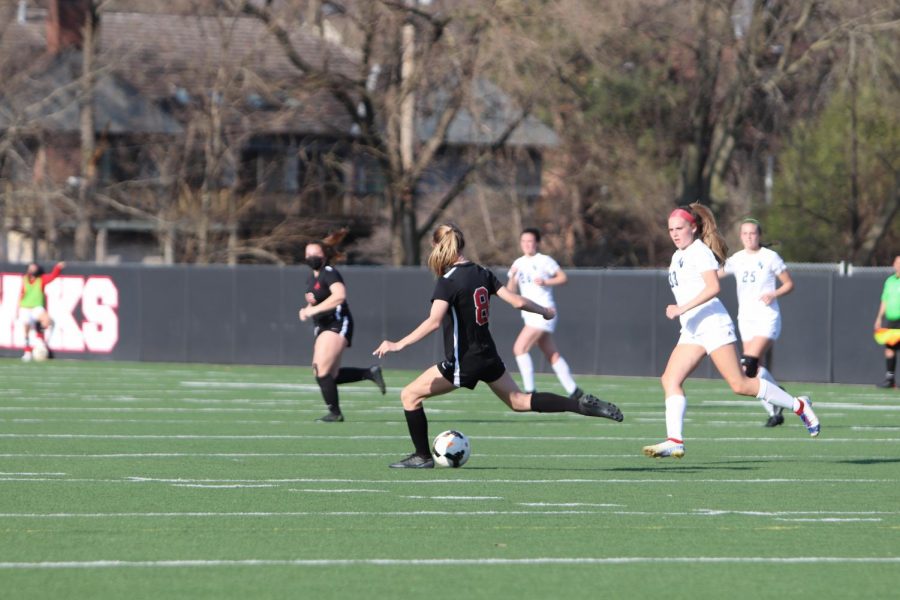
202 123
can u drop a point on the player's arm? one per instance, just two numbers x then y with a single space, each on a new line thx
512 284
722 273
338 295
53 274
521 303
710 290
881 308
558 278
439 310
786 287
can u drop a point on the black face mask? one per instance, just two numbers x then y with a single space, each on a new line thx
315 262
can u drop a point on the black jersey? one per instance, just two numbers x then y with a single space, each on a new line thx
320 288
467 288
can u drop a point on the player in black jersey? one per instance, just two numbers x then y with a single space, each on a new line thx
326 305
461 303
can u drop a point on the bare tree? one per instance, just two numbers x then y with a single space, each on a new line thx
414 58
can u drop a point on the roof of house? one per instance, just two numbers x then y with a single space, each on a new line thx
48 98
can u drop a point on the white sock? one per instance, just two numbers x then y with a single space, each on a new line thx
526 369
561 368
775 395
764 374
675 407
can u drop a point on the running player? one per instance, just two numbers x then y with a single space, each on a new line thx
534 275
326 305
461 303
33 314
706 328
756 270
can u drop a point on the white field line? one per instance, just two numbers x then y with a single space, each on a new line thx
463 513
224 486
338 491
830 520
4 474
451 562
301 387
583 456
816 405
531 438
600 481
454 497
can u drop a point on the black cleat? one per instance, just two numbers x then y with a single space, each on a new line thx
378 378
887 383
776 419
414 461
595 407
331 418
577 394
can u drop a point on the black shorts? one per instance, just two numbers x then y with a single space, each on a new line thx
487 370
342 327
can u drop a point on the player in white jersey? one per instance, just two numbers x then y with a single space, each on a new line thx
757 270
706 328
534 275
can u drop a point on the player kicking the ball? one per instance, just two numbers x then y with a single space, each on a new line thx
461 303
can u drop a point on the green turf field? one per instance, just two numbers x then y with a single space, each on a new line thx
128 480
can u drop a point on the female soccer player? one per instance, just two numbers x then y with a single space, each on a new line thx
326 305
756 270
33 313
533 275
461 302
706 328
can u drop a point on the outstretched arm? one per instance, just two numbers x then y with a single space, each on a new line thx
439 308
521 303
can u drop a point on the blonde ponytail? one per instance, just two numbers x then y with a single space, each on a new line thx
448 242
708 231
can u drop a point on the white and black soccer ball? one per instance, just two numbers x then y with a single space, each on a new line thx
451 449
40 352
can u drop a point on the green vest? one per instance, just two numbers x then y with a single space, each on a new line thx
891 298
34 293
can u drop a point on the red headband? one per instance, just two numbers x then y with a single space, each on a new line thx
687 216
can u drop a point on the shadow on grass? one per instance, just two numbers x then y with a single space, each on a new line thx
870 461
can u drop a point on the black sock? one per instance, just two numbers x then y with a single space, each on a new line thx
351 374
417 423
329 393
545 402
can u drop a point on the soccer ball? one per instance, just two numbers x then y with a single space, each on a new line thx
451 449
40 352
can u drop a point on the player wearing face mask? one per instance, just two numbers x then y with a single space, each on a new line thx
326 305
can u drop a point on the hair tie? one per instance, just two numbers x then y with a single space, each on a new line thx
684 214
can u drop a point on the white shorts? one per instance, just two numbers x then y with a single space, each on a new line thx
31 316
767 327
536 321
713 332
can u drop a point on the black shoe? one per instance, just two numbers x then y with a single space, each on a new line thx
414 461
577 394
331 418
595 407
776 419
887 383
378 378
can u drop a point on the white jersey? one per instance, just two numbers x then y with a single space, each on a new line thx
686 280
755 274
529 268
